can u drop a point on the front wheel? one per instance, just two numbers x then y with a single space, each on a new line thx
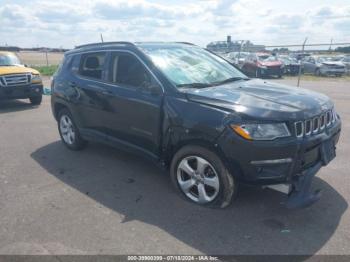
201 177
35 100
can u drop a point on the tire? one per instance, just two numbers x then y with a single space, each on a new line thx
69 133
222 188
36 100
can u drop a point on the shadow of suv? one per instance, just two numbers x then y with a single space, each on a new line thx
194 113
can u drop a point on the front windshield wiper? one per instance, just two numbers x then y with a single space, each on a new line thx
194 85
231 79
6 65
204 85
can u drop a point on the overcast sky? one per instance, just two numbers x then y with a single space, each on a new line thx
68 23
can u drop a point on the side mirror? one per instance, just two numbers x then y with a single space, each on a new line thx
151 89
25 65
154 90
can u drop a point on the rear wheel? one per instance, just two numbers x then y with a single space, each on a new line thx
201 177
69 133
35 100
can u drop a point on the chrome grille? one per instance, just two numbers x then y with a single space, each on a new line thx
315 125
15 80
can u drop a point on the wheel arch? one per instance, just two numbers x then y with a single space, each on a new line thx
174 148
57 107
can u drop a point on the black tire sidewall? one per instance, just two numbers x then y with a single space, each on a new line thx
228 187
36 100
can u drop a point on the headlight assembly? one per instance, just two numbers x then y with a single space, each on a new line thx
36 78
261 131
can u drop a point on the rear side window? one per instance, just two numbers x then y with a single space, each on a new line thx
126 70
91 65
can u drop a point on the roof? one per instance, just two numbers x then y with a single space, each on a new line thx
94 46
262 53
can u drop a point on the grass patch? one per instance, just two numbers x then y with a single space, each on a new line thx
46 70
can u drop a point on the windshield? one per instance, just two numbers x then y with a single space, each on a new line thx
267 58
189 65
288 59
324 59
8 60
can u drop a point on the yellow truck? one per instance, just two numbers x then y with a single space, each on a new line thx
18 81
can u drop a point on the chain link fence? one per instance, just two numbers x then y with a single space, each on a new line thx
37 58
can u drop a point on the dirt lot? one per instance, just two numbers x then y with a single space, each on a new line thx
101 200
39 58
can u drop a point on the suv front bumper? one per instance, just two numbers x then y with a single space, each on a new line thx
294 162
277 161
21 92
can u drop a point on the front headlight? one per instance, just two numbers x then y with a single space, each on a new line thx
261 131
36 78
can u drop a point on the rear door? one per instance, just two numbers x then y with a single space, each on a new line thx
135 99
91 87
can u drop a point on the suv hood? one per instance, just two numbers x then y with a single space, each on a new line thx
270 63
333 63
261 99
17 69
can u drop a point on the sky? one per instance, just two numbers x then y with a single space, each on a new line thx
67 23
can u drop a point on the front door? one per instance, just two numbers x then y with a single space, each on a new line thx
135 97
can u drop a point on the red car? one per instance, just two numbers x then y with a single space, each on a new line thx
263 64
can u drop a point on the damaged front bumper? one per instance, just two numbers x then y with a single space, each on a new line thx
301 196
287 166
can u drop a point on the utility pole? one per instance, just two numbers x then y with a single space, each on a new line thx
330 47
302 51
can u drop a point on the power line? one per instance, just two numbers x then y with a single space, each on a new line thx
295 45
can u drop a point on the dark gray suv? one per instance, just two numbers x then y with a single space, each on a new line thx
196 115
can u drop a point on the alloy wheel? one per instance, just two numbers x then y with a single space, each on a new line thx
198 179
67 130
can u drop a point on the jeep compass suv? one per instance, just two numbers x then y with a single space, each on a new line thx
18 81
198 116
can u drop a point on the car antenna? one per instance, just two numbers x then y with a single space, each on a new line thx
101 37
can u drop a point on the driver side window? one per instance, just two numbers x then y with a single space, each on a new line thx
126 70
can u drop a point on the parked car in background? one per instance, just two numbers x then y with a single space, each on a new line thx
238 58
262 64
18 81
322 65
346 62
291 65
299 56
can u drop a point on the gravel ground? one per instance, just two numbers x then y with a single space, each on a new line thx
105 201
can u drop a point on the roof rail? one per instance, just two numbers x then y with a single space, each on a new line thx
104 44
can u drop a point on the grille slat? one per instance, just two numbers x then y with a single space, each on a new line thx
315 125
15 80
